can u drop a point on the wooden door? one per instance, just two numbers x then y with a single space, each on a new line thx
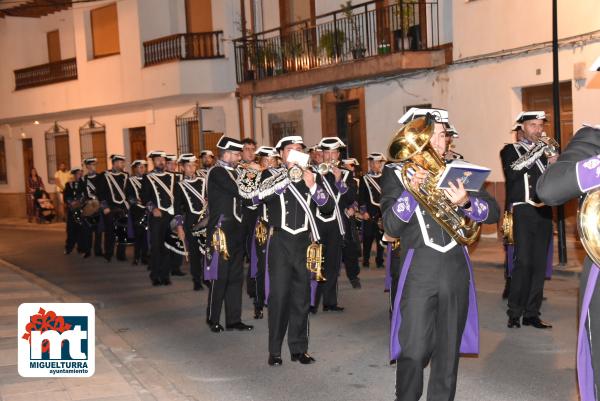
348 128
28 158
198 15
541 98
61 147
137 143
53 39
99 150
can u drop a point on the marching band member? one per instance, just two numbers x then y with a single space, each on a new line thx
225 268
331 226
369 195
174 247
268 160
575 174
316 155
291 208
74 194
190 215
114 205
351 245
157 194
133 190
250 214
523 164
435 313
90 229
207 160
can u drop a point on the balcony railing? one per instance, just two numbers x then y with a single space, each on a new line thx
45 74
364 30
183 46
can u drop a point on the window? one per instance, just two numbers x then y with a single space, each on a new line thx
187 128
57 149
93 143
105 31
3 178
53 40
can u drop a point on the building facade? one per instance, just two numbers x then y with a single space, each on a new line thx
269 68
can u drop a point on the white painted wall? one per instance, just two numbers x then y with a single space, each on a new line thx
508 24
118 79
158 117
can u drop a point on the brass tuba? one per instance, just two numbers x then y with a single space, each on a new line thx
410 145
314 260
588 219
219 242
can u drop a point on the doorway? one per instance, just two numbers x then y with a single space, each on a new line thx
348 123
53 40
541 98
137 143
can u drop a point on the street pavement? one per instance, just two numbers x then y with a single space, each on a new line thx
153 343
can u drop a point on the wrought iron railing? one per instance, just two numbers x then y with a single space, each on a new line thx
45 74
183 46
355 32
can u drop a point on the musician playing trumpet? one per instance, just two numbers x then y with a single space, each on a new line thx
434 314
523 163
291 208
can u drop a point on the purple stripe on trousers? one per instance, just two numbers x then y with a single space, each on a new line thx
585 371
267 280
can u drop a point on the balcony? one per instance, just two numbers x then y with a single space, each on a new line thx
355 42
183 46
45 74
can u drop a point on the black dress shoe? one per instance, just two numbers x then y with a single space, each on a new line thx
68 251
313 310
134 262
166 282
333 308
239 327
87 255
275 360
258 312
536 322
198 286
303 358
177 273
156 282
356 283
216 328
513 322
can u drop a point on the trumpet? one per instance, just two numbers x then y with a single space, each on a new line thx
314 261
327 167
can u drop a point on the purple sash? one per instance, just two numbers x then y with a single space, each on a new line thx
510 259
388 271
470 338
314 284
585 371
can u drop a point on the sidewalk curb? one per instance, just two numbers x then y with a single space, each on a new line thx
36 227
114 347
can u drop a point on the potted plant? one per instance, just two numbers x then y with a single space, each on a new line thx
332 42
292 49
356 45
270 59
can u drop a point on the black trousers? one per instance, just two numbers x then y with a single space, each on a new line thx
175 261
140 246
228 287
261 253
195 256
248 227
110 237
289 295
592 325
91 235
332 253
73 233
532 228
434 307
372 233
159 227
351 250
